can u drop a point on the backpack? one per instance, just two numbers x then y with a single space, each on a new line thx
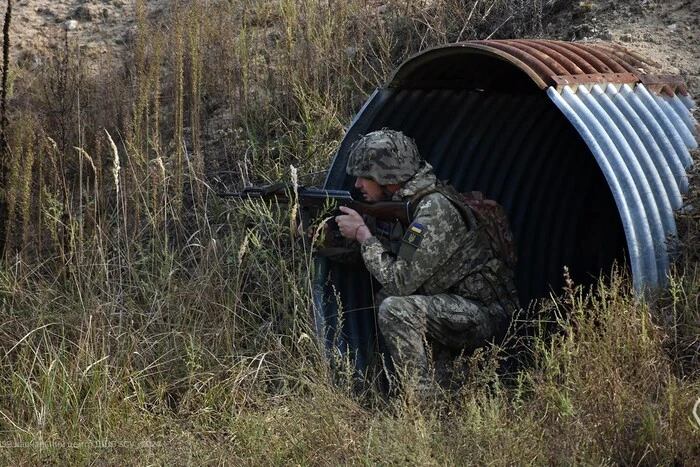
492 217
487 213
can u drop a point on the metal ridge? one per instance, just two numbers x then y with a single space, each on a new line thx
553 63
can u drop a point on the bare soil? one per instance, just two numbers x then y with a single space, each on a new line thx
665 31
101 29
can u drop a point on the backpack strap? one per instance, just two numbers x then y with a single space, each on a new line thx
415 199
451 194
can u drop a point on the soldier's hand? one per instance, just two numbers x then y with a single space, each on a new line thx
352 225
321 232
300 230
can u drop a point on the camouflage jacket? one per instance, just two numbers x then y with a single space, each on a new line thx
439 253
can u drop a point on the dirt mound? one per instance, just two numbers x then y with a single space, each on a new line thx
100 29
665 31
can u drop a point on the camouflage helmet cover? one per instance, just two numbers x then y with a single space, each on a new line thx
385 156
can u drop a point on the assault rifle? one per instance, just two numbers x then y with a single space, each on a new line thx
318 200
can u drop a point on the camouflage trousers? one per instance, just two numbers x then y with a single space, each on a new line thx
450 320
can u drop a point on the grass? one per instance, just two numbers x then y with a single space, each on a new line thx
145 321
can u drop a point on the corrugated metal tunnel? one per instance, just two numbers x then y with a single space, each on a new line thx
586 151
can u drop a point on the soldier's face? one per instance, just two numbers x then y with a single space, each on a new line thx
370 189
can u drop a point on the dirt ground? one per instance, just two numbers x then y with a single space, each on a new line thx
665 31
101 28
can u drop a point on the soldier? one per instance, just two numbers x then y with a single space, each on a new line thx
440 278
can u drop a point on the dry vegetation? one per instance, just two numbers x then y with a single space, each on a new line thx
145 321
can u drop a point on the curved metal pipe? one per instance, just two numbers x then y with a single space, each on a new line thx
583 121
652 129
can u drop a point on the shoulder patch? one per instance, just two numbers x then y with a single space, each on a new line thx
414 234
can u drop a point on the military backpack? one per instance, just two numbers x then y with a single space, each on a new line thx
488 214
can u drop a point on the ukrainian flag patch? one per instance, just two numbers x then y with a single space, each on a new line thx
414 234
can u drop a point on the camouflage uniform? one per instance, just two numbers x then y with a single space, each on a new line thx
442 281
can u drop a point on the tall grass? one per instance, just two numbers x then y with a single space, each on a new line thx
146 321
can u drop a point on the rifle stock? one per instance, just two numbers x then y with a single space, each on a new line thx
319 199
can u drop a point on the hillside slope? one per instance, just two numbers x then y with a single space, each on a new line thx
667 32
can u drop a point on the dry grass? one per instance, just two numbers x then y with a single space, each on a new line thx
145 321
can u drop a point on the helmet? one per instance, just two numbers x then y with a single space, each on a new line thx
385 156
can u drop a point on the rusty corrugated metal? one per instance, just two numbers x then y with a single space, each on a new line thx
550 63
586 151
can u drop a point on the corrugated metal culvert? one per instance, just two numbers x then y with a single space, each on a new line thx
586 150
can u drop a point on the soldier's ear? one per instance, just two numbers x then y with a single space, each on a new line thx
394 187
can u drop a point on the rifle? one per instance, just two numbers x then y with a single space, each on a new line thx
318 200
